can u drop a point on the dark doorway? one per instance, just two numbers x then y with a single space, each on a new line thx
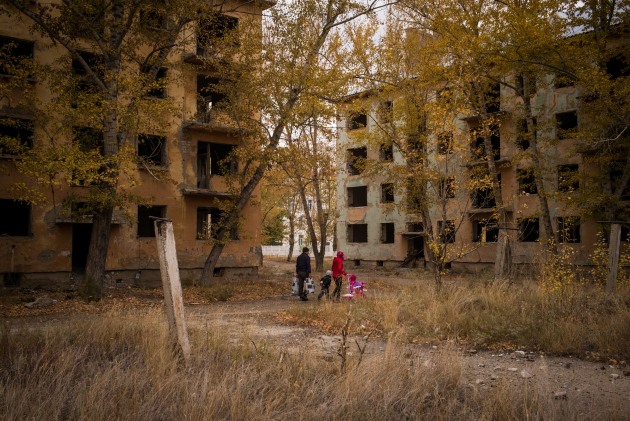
81 235
415 252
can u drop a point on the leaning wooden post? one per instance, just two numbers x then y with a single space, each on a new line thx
169 270
613 257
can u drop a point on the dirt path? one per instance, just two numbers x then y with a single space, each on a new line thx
584 384
572 382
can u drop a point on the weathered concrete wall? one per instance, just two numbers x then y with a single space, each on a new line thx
46 254
547 102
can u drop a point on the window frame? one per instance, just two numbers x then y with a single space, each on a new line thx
387 193
144 222
446 231
22 224
355 194
526 230
569 232
350 234
388 233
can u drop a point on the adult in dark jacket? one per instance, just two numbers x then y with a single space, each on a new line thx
303 271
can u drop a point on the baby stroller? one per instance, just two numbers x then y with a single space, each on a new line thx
355 288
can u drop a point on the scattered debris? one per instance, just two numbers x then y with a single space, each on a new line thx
43 301
614 376
525 374
562 395
520 354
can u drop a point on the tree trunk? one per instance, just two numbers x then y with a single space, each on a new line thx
503 258
550 236
92 287
291 237
274 139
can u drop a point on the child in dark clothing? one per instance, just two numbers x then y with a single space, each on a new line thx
325 284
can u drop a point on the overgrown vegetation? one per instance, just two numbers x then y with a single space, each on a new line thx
120 367
560 316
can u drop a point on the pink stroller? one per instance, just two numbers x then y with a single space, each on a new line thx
355 288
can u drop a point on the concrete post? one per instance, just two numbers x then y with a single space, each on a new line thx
613 258
173 299
503 259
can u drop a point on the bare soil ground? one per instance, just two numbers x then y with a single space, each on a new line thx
250 315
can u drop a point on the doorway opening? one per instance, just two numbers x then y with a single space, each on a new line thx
81 236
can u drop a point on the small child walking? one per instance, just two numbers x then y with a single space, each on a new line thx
325 284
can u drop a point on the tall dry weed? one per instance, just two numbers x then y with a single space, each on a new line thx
120 366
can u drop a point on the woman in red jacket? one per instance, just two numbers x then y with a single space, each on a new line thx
337 274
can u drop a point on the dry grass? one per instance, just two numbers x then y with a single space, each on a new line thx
120 367
580 321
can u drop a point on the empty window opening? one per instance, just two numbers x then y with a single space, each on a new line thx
357 233
525 134
478 146
616 173
618 66
528 230
386 153
357 196
145 223
357 262
387 233
386 111
379 263
212 29
569 229
415 194
211 94
90 143
563 81
483 197
151 149
15 135
16 218
416 148
88 139
485 231
446 231
446 188
526 84
156 87
568 178
604 234
209 220
93 61
567 124
18 52
214 159
387 193
357 121
526 181
416 227
445 143
493 98
356 159
218 272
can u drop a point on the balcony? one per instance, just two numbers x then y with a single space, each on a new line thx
213 121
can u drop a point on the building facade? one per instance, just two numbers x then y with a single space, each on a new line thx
48 241
376 227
